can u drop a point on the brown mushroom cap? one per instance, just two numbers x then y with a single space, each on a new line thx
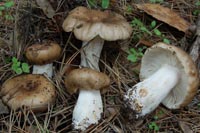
43 53
86 78
31 90
87 24
160 54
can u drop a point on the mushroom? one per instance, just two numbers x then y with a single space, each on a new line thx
168 76
88 108
32 90
43 54
93 27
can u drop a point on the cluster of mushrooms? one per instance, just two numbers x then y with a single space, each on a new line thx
168 75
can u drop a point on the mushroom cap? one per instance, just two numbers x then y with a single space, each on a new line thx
32 90
87 79
43 53
87 24
161 54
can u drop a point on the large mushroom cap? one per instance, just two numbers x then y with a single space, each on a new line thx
87 24
161 54
31 90
85 78
43 53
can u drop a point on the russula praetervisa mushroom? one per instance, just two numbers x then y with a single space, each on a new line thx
32 90
88 108
167 75
42 55
93 27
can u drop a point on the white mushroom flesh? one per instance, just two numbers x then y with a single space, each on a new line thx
89 106
145 96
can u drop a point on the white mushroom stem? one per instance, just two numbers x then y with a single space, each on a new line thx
89 106
88 109
91 52
145 96
43 69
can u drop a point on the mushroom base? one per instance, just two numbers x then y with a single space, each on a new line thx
145 96
88 109
43 69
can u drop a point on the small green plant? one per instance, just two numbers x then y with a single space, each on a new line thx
137 23
5 9
149 30
198 105
153 126
158 115
135 54
156 1
129 8
196 11
19 67
94 4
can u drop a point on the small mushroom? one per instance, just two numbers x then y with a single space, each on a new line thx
93 27
31 90
42 55
89 107
167 75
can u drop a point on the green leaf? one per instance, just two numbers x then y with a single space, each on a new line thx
153 1
140 49
136 22
9 17
9 4
156 128
150 126
160 1
197 3
14 60
18 71
129 8
92 3
25 68
153 24
144 29
18 64
155 117
156 1
132 58
133 51
167 41
105 4
157 32
140 54
2 8
196 12
14 67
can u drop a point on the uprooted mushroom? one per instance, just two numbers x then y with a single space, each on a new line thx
168 75
93 27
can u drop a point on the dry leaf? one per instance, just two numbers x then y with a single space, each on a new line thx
46 7
166 15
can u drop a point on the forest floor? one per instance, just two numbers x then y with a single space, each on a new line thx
25 22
